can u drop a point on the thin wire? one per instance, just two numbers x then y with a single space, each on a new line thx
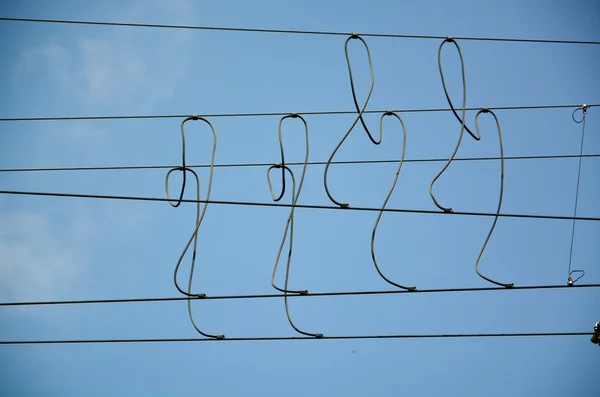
500 196
291 164
271 114
400 162
570 280
293 338
360 112
282 31
289 225
308 294
305 206
199 217
461 119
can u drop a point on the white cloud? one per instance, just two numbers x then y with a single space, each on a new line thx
135 68
37 261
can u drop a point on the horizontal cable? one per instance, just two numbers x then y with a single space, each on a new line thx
236 165
305 206
290 338
267 114
318 294
286 31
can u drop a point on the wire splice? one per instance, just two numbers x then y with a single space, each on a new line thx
461 118
360 111
400 162
486 110
289 225
570 280
199 217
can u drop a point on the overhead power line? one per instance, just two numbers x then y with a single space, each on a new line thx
308 294
305 206
243 165
267 114
286 31
291 338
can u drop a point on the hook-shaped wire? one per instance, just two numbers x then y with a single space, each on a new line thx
463 126
400 162
289 225
486 110
199 217
359 116
291 115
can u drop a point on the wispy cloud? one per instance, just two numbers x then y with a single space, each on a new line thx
137 68
36 261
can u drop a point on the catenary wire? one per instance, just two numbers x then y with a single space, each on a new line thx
311 163
308 294
286 31
570 280
276 114
294 338
304 206
387 198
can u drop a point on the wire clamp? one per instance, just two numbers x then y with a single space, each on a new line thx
354 36
194 117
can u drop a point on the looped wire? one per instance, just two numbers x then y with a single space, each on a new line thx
400 162
360 111
583 108
199 217
485 110
461 119
289 225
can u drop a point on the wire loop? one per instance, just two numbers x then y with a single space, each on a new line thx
199 218
485 110
289 225
461 118
373 234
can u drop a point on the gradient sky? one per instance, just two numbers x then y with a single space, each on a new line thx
65 248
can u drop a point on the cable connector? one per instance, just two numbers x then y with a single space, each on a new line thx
194 117
294 115
485 110
584 108
354 36
449 38
596 337
277 165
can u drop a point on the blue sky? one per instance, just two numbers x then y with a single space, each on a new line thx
59 248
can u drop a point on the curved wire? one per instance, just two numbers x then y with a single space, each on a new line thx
199 217
289 225
291 115
463 127
400 162
295 196
570 280
485 110
358 109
